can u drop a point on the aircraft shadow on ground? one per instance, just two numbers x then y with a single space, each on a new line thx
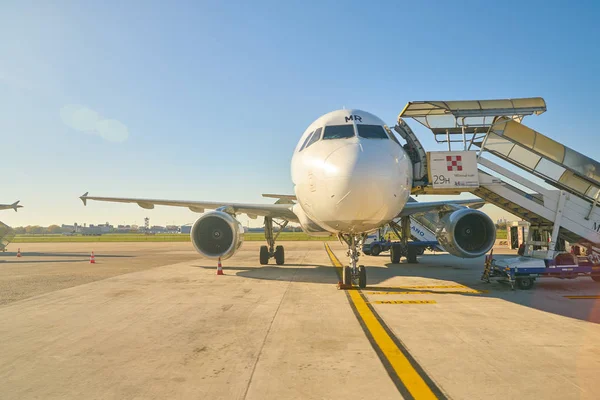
308 273
547 294
46 254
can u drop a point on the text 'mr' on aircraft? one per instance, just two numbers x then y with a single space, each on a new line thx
351 176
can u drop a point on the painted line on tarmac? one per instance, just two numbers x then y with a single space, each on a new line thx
404 302
583 297
409 377
417 292
378 293
435 287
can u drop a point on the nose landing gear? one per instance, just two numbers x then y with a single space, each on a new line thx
272 251
353 274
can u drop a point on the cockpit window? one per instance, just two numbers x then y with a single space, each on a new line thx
338 132
314 138
371 132
306 141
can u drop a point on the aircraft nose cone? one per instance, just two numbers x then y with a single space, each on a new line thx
358 161
341 161
362 186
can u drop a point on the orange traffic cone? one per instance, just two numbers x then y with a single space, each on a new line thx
220 268
19 252
92 259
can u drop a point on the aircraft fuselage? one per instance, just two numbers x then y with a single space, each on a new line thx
350 176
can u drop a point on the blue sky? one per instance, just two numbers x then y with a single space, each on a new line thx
206 100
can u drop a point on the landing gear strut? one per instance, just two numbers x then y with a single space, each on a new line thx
272 251
354 274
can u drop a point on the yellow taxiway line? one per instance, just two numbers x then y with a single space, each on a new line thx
404 302
430 292
408 376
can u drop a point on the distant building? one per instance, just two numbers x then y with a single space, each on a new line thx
100 228
172 229
70 228
157 229
185 229
87 230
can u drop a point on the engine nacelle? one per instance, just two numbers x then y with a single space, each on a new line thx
466 233
217 234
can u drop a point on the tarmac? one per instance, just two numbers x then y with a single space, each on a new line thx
154 321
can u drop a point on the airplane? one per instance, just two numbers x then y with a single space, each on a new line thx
6 232
13 206
351 176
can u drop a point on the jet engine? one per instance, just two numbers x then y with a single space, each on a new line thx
466 233
217 234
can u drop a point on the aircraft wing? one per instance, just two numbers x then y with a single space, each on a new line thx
282 198
283 211
13 206
439 206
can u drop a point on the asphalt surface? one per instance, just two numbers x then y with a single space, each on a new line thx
153 320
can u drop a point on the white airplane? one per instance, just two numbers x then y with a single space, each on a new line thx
351 176
13 206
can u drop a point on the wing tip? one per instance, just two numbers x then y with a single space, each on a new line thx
84 198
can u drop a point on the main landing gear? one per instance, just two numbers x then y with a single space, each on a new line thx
353 274
272 251
402 249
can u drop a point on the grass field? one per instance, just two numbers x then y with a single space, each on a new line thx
133 237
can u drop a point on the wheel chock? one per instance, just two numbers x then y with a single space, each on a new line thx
341 286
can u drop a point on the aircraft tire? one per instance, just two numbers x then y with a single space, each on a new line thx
411 255
264 255
279 255
362 277
395 254
347 276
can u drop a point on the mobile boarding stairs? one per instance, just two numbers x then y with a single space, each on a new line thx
554 188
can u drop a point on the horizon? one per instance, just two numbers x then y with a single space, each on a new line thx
242 220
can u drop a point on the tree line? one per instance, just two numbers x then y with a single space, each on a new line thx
39 230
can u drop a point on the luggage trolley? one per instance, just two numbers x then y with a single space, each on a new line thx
522 271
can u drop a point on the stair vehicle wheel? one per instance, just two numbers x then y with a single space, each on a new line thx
596 278
279 255
347 276
395 254
524 283
411 254
362 277
375 250
264 255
